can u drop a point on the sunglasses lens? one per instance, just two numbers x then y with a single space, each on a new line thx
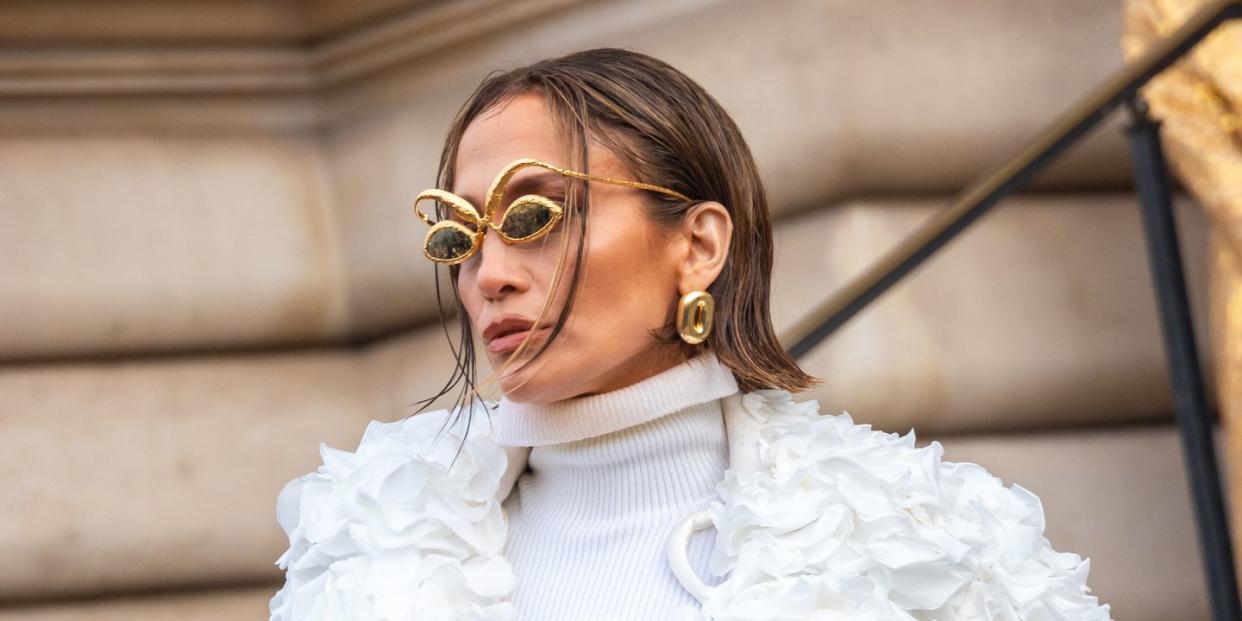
526 219
448 243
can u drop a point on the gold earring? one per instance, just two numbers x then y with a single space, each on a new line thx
694 316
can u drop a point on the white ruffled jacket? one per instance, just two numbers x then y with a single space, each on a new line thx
817 518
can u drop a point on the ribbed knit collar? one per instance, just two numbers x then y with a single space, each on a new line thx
698 380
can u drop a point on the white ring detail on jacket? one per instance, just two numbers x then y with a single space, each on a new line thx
679 561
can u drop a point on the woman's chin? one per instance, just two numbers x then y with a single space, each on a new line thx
517 392
523 379
520 385
531 385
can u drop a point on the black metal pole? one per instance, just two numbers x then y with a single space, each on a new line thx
1189 398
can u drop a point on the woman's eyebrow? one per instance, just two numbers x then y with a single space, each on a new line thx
535 184
530 184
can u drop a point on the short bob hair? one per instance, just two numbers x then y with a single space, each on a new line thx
669 131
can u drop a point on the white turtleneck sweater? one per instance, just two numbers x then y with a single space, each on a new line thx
608 478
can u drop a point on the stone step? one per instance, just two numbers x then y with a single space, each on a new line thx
184 233
1101 491
1041 314
1039 317
235 604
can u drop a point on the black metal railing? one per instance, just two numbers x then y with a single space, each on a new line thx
1164 259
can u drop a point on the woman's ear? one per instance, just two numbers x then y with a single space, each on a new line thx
708 229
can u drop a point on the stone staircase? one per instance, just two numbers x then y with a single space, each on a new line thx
208 263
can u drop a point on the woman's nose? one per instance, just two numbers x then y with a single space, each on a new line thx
499 272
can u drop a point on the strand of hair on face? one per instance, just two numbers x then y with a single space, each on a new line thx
464 367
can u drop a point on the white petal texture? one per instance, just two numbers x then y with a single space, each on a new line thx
391 532
838 522
843 522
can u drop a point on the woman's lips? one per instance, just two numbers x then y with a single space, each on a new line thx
508 342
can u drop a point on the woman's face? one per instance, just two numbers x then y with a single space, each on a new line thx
630 276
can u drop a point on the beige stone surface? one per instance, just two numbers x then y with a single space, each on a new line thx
174 465
60 21
180 21
238 604
165 473
184 185
1061 278
296 202
133 243
1040 317
401 371
1042 314
1117 496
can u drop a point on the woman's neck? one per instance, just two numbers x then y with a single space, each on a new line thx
639 368
694 381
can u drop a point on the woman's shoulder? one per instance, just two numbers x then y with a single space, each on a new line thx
363 525
383 443
840 512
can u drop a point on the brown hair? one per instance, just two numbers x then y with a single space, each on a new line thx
669 131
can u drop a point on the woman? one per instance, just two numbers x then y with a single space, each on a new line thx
608 238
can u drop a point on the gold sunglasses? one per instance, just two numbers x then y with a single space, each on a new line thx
528 218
